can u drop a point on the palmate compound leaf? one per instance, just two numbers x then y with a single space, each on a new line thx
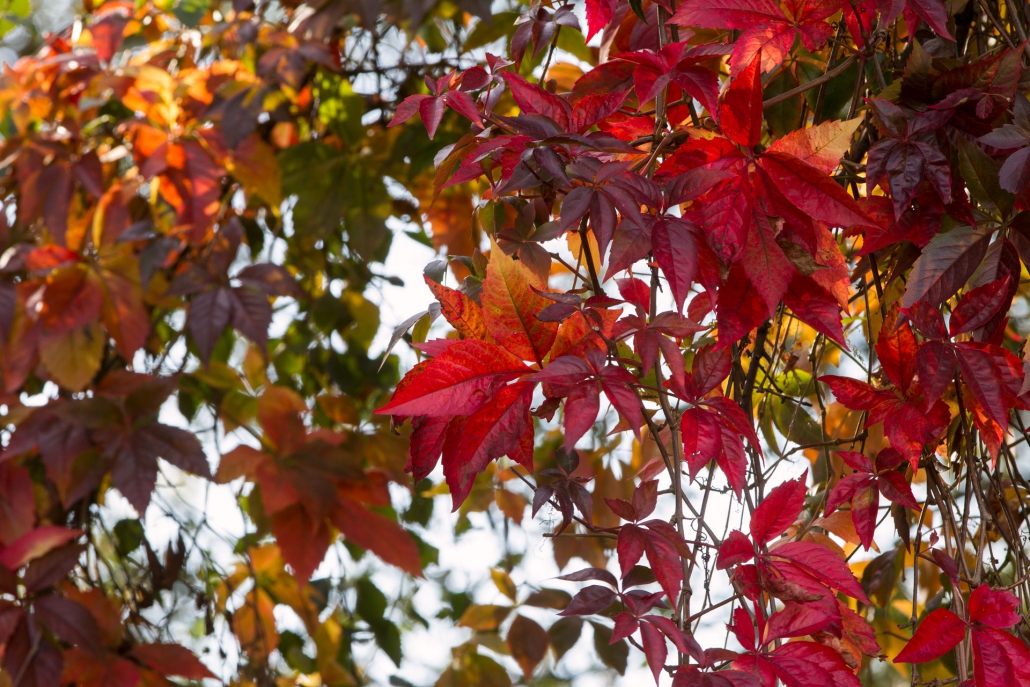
998 657
768 29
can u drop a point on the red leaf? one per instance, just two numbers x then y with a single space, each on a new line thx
655 649
935 635
815 306
407 109
581 408
735 549
945 265
801 619
589 600
432 110
731 459
303 542
70 621
709 368
630 547
807 664
811 191
502 427
107 31
624 509
645 499
380 535
980 373
845 489
995 608
933 12
666 563
171 659
992 664
857 461
683 641
897 352
91 671
617 385
34 544
17 502
896 489
936 364
599 13
977 307
778 510
740 114
457 382
823 565
865 505
675 250
853 394
740 308
765 263
733 417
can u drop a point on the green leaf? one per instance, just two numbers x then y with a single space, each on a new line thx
291 646
388 637
12 11
484 33
128 535
794 422
782 117
615 655
980 172
564 634
371 603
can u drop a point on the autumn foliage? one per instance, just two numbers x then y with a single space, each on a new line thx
729 297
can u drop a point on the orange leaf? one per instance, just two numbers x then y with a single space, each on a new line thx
378 534
463 313
510 306
279 412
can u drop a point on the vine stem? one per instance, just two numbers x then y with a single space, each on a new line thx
818 81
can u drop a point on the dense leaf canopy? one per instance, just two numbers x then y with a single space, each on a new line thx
727 316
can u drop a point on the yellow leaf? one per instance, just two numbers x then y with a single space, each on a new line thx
504 583
576 247
513 505
254 164
73 358
564 74
254 625
484 617
841 524
254 367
